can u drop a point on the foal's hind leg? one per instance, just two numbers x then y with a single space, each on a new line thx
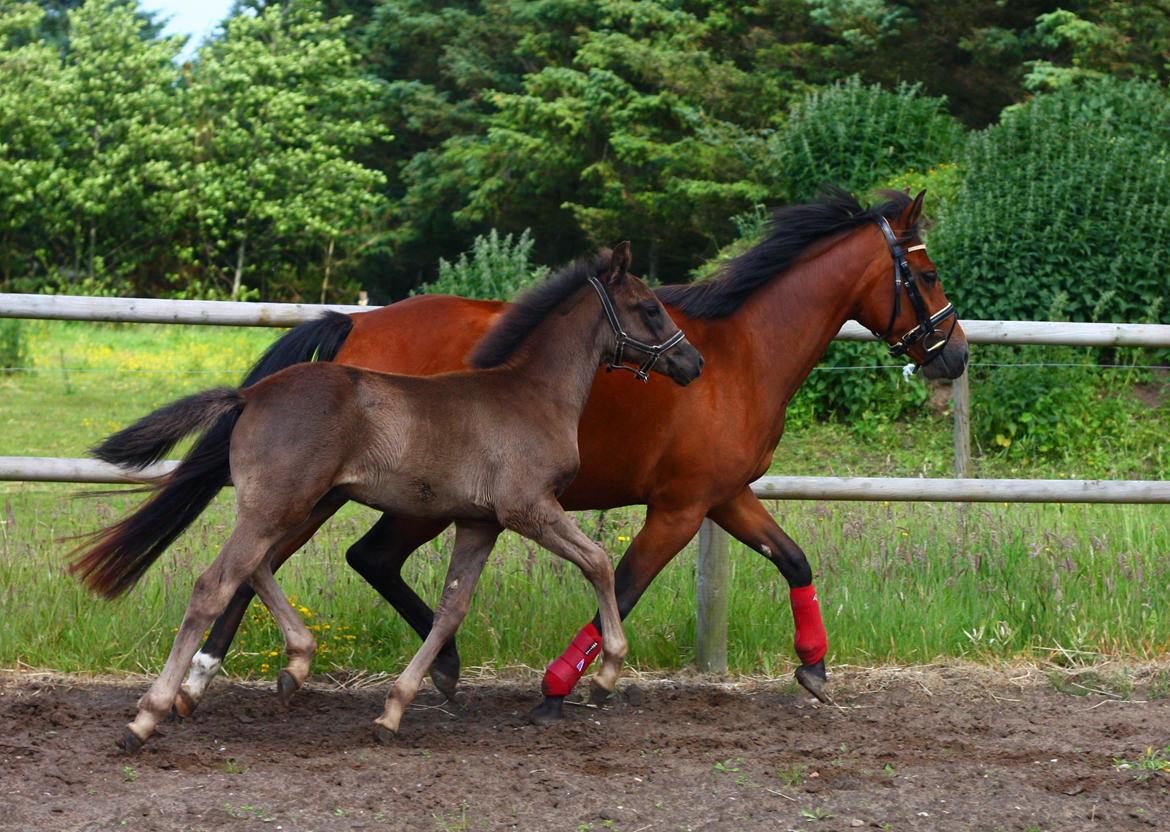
207 662
552 528
299 644
244 550
473 544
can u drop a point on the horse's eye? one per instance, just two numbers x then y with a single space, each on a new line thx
930 276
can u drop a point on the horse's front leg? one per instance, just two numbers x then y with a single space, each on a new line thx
745 518
665 533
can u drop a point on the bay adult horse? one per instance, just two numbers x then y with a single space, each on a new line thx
762 323
489 449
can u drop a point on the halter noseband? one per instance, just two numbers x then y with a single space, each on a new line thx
932 338
653 351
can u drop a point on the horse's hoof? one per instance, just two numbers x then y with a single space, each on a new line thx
185 705
598 695
446 684
548 712
633 695
286 686
812 677
129 742
383 735
458 701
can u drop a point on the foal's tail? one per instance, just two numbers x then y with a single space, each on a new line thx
124 551
119 554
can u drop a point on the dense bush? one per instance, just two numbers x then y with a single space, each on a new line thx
860 136
1068 195
496 269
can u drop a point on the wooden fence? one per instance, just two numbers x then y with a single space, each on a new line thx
711 643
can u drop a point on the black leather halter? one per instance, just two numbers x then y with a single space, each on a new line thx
653 351
932 338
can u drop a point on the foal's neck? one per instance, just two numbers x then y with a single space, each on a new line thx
562 354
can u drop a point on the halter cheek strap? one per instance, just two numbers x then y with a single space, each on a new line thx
927 323
653 351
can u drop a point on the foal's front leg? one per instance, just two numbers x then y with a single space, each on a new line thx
473 544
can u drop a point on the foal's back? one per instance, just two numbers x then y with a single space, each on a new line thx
465 444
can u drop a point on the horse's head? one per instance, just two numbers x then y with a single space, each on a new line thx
905 305
643 330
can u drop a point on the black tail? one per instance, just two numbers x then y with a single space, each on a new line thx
121 553
140 538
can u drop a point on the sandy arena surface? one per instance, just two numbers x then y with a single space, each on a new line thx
947 748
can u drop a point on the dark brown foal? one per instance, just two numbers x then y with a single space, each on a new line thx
490 448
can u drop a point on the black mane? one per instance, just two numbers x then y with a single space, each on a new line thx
792 230
533 306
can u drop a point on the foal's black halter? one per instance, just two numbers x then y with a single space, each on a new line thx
653 351
932 338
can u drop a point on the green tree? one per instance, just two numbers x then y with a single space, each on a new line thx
278 106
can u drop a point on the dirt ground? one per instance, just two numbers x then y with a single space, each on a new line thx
949 748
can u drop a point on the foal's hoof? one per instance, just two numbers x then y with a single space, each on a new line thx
129 742
286 686
548 712
598 695
812 677
383 735
185 705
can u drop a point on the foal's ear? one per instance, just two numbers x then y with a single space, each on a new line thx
619 263
911 214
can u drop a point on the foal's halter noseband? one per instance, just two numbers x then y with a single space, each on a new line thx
653 351
933 339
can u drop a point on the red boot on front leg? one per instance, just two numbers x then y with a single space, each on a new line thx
565 671
811 641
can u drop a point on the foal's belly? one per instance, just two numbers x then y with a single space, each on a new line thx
423 497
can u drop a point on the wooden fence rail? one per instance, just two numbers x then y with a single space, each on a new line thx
711 641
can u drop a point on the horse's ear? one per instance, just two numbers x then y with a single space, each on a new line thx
913 212
619 263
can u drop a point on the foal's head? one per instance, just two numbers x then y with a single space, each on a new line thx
643 330
637 327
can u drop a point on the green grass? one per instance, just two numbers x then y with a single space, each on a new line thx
898 582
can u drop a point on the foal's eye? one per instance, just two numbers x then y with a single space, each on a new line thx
651 310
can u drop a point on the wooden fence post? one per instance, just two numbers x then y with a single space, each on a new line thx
961 401
712 580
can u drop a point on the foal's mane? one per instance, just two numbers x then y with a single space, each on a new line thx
792 230
527 311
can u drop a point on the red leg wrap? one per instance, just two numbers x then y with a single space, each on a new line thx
811 641
566 670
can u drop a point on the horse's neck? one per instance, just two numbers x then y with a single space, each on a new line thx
561 356
796 315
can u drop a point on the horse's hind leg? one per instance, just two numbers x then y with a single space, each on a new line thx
207 661
244 550
473 544
552 528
